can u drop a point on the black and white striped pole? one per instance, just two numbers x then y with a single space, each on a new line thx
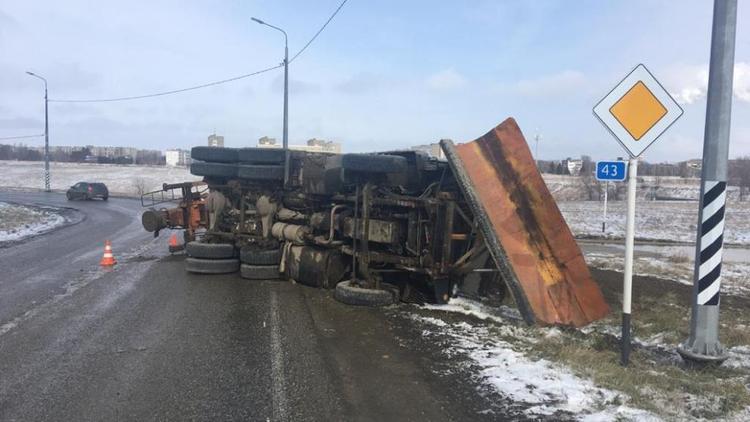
703 346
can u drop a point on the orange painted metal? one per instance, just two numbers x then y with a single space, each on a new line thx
524 229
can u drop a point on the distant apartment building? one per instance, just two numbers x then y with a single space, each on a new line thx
315 144
266 142
112 152
215 140
433 150
312 145
58 149
149 156
177 157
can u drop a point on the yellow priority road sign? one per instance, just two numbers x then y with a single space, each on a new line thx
637 111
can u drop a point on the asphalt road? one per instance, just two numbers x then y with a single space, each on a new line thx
148 341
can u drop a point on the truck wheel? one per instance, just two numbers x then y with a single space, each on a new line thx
213 169
260 172
358 296
214 154
211 266
254 256
260 272
69 196
261 155
210 250
374 163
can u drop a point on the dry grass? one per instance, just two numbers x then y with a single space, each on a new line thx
13 217
665 389
679 258
656 379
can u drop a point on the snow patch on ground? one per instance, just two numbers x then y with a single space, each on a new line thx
739 357
18 222
544 388
464 306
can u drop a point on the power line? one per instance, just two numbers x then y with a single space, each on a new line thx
319 31
21 137
223 81
174 91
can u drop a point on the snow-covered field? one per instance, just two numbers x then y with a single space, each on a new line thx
569 188
123 180
676 264
654 220
18 222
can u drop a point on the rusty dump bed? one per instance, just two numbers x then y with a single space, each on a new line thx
524 230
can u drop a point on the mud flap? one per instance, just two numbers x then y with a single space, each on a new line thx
525 232
442 288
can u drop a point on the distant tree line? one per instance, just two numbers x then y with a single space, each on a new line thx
25 153
739 174
588 167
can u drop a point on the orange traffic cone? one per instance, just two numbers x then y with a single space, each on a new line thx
174 245
108 259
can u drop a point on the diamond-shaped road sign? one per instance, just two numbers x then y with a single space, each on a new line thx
637 111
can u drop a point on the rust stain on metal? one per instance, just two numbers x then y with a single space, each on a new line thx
544 262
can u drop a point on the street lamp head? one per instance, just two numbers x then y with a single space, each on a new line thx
30 73
258 20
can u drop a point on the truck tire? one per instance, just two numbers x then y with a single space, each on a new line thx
214 154
261 155
260 272
213 169
210 250
211 266
254 256
358 296
374 163
260 172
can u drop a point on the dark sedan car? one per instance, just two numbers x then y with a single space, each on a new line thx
86 190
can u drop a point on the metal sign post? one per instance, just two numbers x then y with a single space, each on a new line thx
637 111
609 171
604 217
703 346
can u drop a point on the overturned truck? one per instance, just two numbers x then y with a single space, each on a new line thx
386 227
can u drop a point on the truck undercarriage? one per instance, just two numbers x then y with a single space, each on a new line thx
388 226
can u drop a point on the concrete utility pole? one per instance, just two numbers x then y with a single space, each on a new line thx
46 133
703 346
286 98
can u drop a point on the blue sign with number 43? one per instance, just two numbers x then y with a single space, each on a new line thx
611 171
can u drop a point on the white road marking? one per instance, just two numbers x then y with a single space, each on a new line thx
280 406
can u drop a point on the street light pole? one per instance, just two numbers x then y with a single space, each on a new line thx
46 133
286 97
703 346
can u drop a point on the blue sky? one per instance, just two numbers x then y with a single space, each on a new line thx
383 75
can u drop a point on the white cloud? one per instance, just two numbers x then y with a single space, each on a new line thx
446 80
551 85
689 84
742 81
